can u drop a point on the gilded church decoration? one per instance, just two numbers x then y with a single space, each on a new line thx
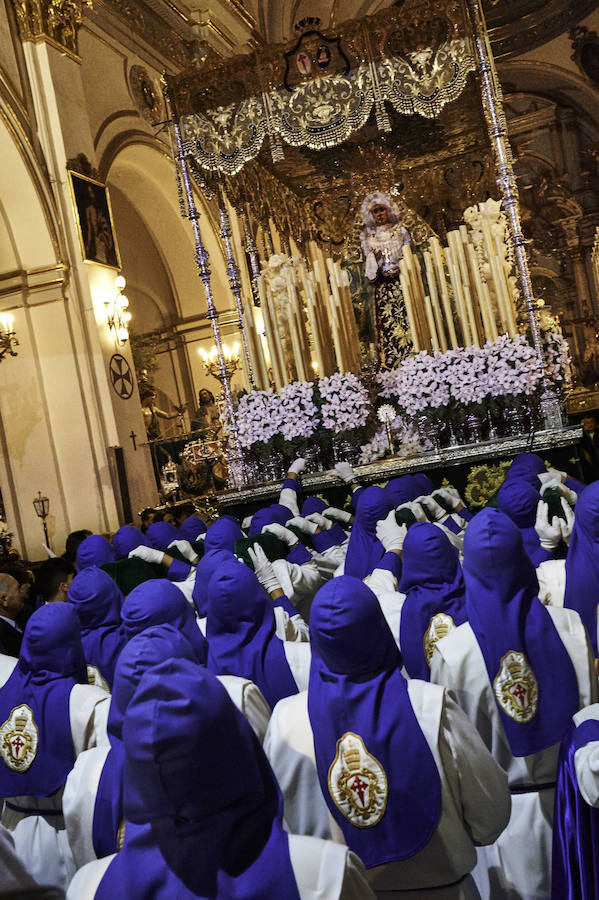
54 21
585 46
146 94
319 90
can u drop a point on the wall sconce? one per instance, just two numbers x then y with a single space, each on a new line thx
42 508
8 338
231 360
117 312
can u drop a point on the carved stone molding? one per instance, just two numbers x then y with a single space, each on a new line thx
55 21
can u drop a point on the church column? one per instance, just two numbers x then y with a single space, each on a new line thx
49 33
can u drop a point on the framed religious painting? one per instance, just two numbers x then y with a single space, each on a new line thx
93 216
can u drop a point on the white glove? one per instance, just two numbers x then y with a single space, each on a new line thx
552 475
341 515
298 465
303 524
185 549
549 533
344 471
148 554
288 537
571 496
566 527
246 523
263 569
390 534
416 510
451 497
431 506
323 524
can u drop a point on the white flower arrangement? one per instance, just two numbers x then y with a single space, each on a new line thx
299 413
345 402
258 417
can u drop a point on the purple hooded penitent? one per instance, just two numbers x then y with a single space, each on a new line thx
357 695
201 803
432 580
241 632
159 602
513 628
51 663
97 602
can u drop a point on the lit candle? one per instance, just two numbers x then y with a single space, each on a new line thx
6 319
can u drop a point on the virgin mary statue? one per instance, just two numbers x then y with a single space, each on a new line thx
383 238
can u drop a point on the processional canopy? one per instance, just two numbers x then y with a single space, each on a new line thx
302 131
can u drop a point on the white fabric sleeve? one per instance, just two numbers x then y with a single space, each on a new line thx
297 581
551 576
323 870
288 498
381 581
586 760
290 628
575 639
88 712
13 874
79 801
355 880
298 657
249 700
186 587
485 795
87 880
7 664
328 562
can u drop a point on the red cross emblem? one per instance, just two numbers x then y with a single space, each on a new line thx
520 693
359 787
17 744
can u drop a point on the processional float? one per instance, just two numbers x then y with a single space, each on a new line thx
292 137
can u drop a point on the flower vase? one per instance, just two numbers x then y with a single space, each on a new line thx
312 457
430 433
273 465
516 420
474 429
344 451
452 434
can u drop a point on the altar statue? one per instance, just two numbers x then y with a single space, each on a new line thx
383 239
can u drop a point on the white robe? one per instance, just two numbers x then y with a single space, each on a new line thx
81 789
475 803
322 870
506 870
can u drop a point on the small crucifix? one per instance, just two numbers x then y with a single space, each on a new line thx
133 436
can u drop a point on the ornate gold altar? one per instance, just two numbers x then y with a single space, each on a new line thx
292 137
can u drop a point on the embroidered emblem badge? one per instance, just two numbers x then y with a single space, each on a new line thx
438 627
95 677
357 782
18 739
516 688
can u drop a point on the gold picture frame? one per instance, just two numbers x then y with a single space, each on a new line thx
93 217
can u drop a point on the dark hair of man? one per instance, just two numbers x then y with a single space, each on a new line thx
72 544
50 576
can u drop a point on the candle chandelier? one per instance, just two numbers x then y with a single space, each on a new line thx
117 312
8 337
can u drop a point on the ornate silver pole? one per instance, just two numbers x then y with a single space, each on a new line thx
254 258
498 133
233 273
202 261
